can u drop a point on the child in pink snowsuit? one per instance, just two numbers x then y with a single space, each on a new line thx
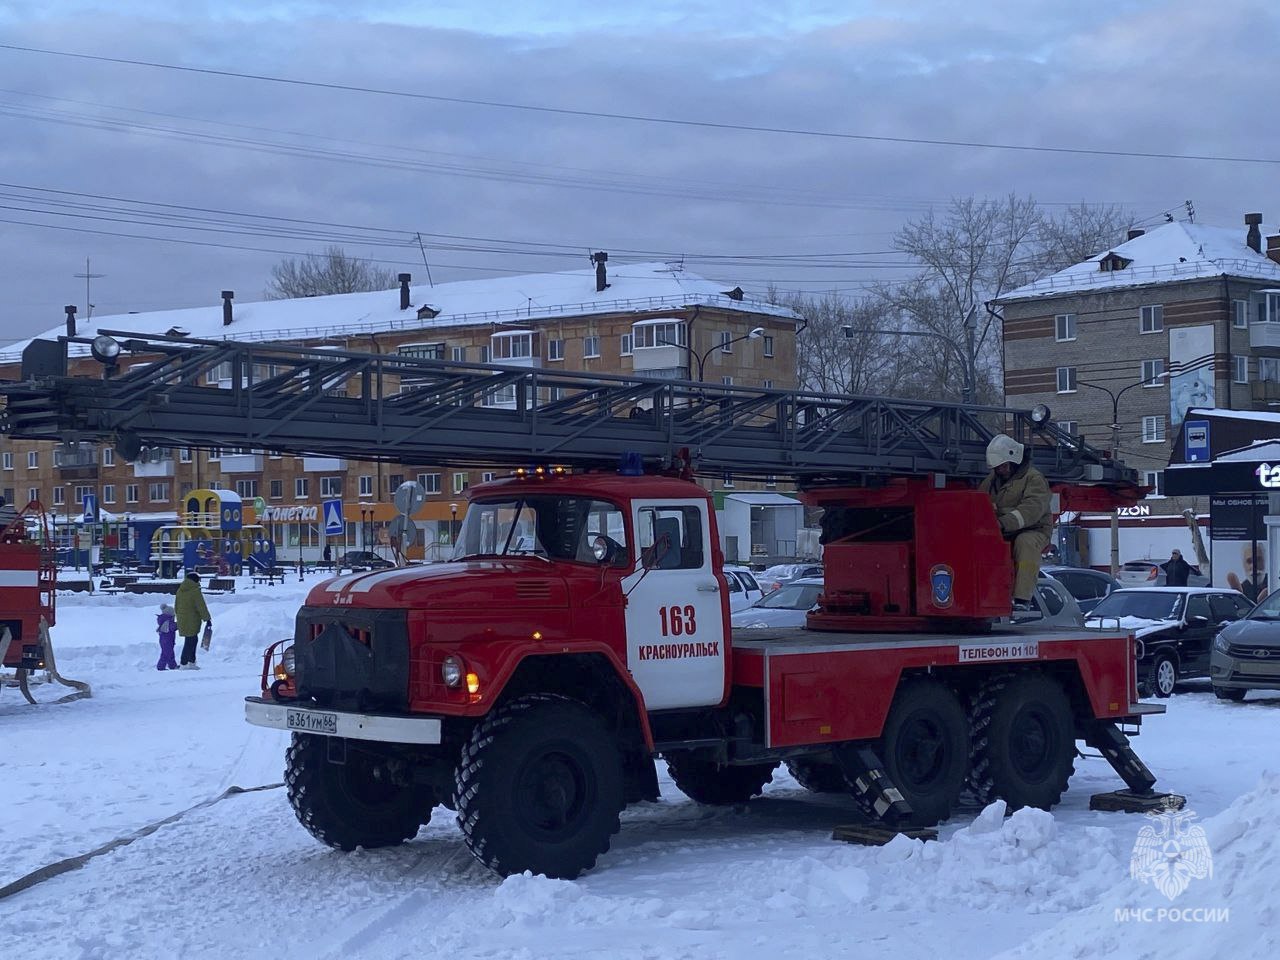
167 628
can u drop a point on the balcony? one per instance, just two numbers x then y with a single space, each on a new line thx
1264 334
320 464
661 361
1264 391
153 468
241 462
75 461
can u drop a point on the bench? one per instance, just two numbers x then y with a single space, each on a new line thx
272 575
221 585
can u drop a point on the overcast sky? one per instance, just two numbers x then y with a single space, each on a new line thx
196 155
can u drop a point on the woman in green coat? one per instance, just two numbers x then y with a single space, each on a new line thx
190 610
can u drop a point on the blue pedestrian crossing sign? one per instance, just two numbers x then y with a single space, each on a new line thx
90 509
333 525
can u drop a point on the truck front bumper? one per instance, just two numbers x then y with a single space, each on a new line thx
385 728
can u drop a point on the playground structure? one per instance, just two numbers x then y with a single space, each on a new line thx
210 532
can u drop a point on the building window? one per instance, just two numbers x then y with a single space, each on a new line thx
501 396
366 486
184 455
59 496
248 489
662 333
131 493
768 384
1151 318
184 489
1240 314
1269 368
158 492
1155 480
215 374
555 349
80 494
1153 373
1239 369
485 353
628 345
330 487
108 456
590 347
768 346
277 489
33 460
459 354
33 494
215 454
430 482
460 482
108 493
1153 429
1070 426
421 351
511 346
8 459
771 481
301 488
393 481
1066 379
728 481
487 477
1064 327
726 341
727 381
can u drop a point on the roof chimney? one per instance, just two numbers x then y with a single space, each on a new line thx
600 259
1135 234
404 279
227 297
1273 248
1254 237
70 308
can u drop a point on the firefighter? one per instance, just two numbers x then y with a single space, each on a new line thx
1020 494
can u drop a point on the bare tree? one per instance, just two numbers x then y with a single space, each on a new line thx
332 271
827 360
1078 233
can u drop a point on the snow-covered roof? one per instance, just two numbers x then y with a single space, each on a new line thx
1258 416
1171 253
521 300
764 499
1256 452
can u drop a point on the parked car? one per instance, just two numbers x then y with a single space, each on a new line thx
744 590
1147 573
1175 629
1246 654
1058 608
363 559
1089 587
784 607
781 574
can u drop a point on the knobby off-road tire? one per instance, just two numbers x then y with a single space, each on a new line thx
1022 741
718 784
539 788
925 749
351 804
816 776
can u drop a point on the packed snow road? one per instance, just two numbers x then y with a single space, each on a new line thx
242 878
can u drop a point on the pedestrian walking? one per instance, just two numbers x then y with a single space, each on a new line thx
167 629
190 611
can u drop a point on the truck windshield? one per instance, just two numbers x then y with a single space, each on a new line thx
548 526
1144 604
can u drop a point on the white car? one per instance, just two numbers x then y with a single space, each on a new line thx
779 575
744 590
785 607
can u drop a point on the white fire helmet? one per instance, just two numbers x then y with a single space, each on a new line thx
1003 449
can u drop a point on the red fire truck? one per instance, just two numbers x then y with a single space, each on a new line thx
581 631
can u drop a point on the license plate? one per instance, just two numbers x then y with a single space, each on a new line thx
312 721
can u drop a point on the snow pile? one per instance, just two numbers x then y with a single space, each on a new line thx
1231 913
1022 862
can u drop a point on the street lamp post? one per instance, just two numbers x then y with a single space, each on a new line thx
1115 396
967 357
701 358
453 525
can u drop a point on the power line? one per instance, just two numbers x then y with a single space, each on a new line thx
643 118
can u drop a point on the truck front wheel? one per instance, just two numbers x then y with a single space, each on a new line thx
355 803
926 749
817 776
718 784
1023 741
539 788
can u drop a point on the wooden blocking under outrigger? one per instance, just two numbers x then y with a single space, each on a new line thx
1127 801
869 835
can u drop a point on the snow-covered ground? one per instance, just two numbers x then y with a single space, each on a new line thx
241 878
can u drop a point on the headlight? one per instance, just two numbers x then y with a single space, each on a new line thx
451 671
288 662
1220 643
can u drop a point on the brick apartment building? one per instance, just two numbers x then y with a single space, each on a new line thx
655 319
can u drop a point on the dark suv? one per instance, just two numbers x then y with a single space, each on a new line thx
363 560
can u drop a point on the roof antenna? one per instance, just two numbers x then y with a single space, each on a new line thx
1191 211
424 259
87 277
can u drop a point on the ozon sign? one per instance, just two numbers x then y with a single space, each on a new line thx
294 514
1268 475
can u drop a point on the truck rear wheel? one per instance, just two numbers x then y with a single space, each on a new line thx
816 776
539 788
926 749
1023 741
356 803
718 784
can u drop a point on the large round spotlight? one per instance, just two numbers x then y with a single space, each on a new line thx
1040 414
106 350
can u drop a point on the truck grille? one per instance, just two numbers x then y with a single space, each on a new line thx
535 591
353 659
